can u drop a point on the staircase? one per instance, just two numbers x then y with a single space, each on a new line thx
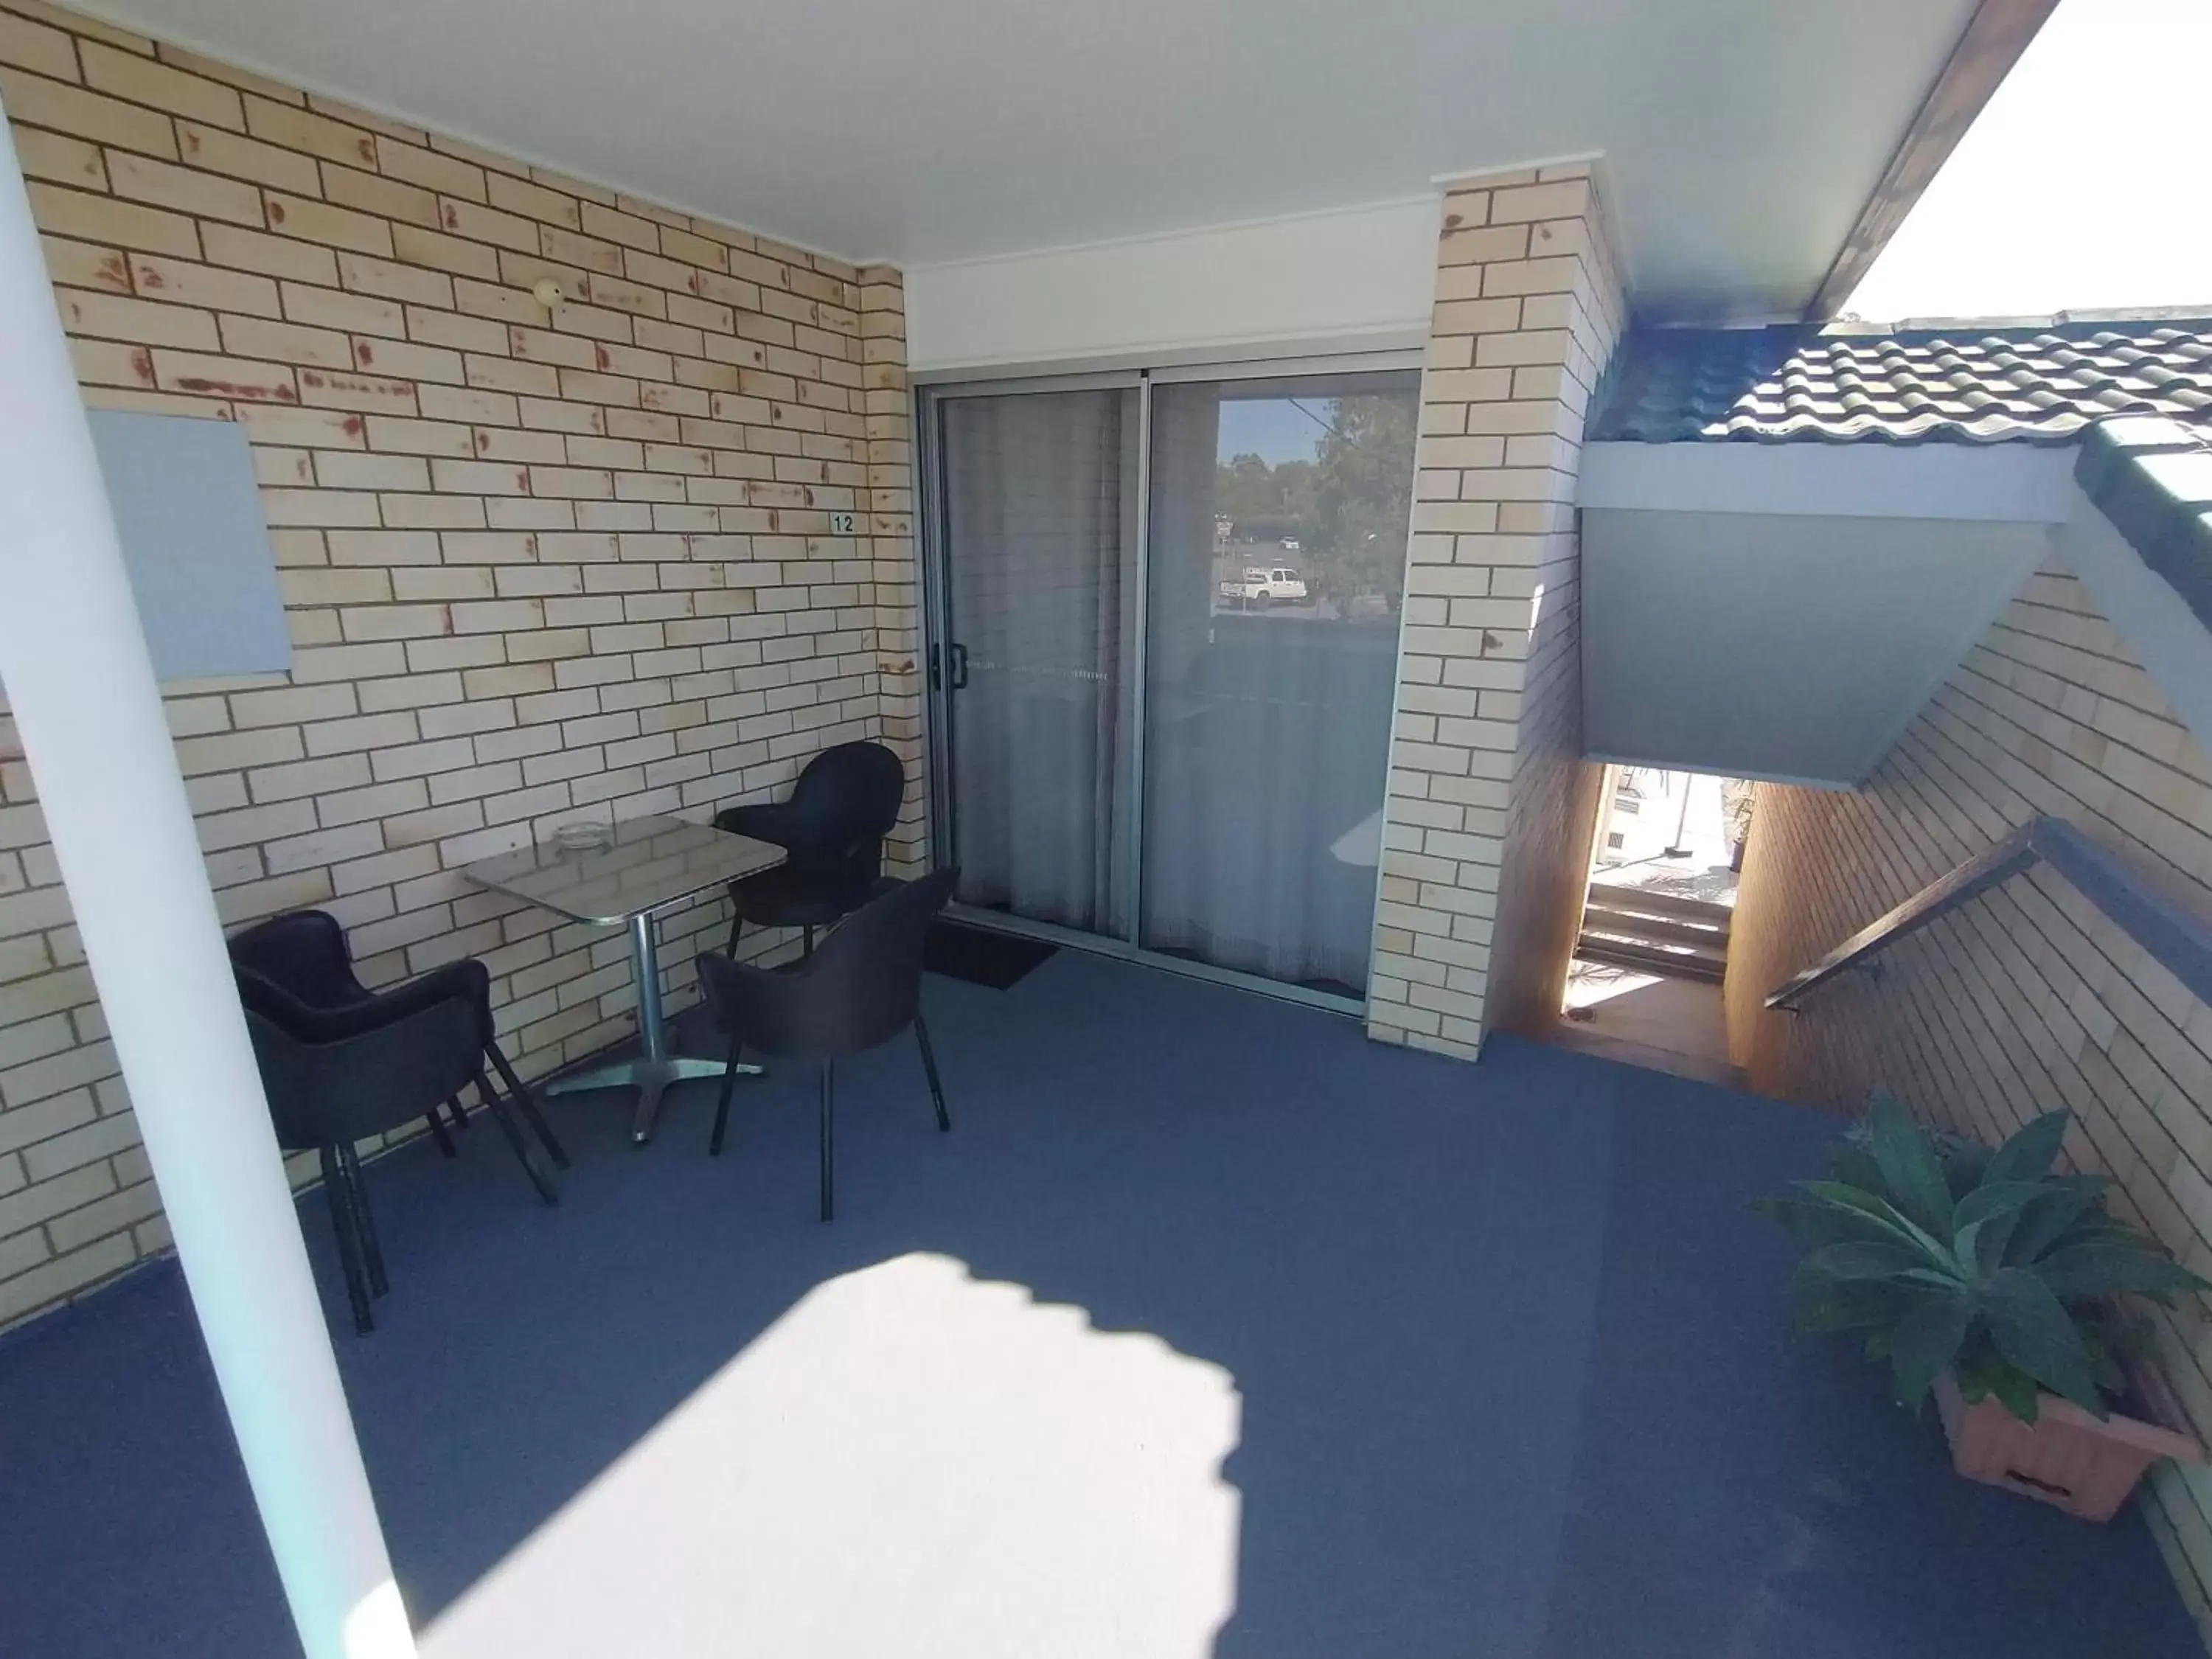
1653 932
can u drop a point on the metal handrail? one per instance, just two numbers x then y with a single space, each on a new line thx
2167 923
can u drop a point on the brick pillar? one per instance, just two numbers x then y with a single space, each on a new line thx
1491 809
888 506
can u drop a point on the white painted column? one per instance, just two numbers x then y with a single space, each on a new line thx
82 687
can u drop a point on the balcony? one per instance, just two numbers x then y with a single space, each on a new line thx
1211 1329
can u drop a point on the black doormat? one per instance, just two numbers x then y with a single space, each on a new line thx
981 956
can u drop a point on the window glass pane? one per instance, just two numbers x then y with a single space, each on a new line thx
1278 527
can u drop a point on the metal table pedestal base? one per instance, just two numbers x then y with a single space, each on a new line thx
654 1069
650 1077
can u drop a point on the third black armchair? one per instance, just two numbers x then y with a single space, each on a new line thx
304 955
844 804
861 989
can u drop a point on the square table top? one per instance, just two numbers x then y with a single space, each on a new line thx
651 864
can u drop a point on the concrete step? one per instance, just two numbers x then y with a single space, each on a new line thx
1643 901
1655 930
1690 963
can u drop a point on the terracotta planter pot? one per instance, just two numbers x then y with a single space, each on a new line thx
2066 1456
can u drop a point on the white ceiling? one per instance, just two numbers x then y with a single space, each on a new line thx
1740 137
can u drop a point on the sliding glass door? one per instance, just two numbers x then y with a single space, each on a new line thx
1040 506
1165 621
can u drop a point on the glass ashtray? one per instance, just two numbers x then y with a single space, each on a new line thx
587 837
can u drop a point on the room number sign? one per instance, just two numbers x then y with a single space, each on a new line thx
841 524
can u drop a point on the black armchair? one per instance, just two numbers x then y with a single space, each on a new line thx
338 1076
304 954
833 827
861 989
341 1063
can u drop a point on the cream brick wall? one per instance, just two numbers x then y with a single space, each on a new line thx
2027 998
1490 807
538 564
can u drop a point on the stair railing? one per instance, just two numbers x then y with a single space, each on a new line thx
2165 922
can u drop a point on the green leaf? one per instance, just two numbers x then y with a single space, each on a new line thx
1995 1198
2066 1201
1966 1254
2032 1151
2016 1390
1913 1175
1986 1220
1854 1166
2032 1330
1874 1210
2112 1338
2114 1268
1943 1281
1994 1238
1984 1374
1926 1343
1856 1259
1812 1222
1963 1166
2096 1228
1860 1304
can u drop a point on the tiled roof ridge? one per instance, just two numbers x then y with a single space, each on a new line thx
2084 317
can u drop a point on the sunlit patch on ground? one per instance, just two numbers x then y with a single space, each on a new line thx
910 1462
1592 982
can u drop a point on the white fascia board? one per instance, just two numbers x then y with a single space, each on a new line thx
2159 625
1356 279
1999 483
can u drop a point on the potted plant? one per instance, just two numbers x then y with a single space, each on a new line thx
2001 1287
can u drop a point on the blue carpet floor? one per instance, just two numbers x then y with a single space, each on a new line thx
1514 1364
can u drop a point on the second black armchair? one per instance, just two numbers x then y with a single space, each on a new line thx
861 989
844 804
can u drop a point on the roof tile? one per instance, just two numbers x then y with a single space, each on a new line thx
1964 383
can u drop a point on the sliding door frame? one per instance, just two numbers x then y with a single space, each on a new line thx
939 723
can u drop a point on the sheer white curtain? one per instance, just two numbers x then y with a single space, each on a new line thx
1267 733
1040 522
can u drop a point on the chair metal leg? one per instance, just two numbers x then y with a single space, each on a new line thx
806 940
828 1138
505 1120
438 1132
526 1103
722 1101
929 1068
334 1194
364 1220
459 1113
737 926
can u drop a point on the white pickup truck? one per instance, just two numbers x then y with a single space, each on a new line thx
1264 585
